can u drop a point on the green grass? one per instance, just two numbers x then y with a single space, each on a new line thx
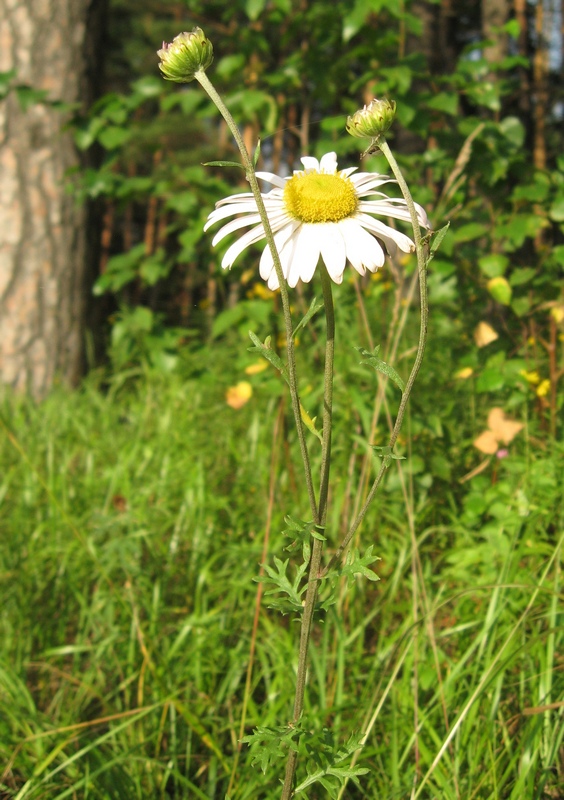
132 528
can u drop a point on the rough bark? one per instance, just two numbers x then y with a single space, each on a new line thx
43 262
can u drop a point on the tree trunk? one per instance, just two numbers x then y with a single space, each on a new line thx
495 13
43 259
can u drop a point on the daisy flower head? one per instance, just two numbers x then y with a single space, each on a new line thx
318 212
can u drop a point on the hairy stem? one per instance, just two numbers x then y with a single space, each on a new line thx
317 546
207 85
421 249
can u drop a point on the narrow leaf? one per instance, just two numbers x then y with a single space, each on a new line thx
437 240
373 360
223 164
310 423
270 355
312 310
256 155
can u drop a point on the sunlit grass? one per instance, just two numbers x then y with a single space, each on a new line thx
131 533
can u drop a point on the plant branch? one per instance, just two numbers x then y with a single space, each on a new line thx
208 87
421 249
317 546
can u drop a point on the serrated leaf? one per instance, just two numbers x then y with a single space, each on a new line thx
387 454
359 565
373 360
282 584
302 532
315 306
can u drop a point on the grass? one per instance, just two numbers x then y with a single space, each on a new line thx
132 529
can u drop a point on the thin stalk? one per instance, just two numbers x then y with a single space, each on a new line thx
420 249
208 87
317 546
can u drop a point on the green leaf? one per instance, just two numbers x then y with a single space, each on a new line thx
436 240
315 306
373 360
6 79
256 154
359 565
522 275
254 8
443 101
469 232
309 422
281 584
270 355
114 136
557 210
387 454
28 97
223 164
493 265
500 290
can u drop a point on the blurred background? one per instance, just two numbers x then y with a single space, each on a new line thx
147 459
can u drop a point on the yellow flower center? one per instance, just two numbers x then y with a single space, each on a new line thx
317 197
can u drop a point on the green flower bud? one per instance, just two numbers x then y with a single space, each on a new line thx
372 120
187 54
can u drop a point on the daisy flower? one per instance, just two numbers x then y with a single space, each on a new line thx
318 211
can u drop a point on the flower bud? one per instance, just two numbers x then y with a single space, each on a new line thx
372 120
187 54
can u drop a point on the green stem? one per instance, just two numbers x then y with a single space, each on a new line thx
208 87
422 255
317 547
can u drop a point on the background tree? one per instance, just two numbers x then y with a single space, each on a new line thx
49 57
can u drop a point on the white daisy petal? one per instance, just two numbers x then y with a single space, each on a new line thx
266 264
333 251
305 255
339 226
310 164
375 226
252 236
275 180
328 163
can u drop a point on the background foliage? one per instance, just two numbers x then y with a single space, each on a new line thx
133 523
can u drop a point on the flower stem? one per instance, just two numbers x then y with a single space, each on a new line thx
208 87
421 249
317 546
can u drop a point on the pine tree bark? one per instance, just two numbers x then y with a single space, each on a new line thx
43 260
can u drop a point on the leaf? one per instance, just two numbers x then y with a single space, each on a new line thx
437 239
444 101
493 265
266 351
269 744
469 232
302 532
315 306
310 423
359 565
500 290
256 155
376 362
223 164
281 584
484 334
387 454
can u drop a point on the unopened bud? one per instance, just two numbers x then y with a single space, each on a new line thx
372 120
187 54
